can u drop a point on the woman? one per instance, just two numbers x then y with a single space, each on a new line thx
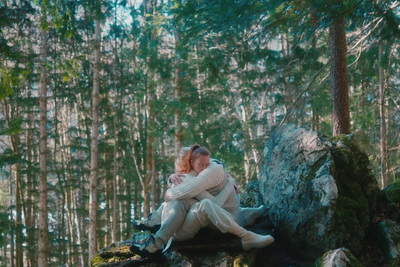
219 211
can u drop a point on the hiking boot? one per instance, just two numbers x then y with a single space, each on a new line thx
147 248
151 223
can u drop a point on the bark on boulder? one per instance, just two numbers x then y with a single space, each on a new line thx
320 193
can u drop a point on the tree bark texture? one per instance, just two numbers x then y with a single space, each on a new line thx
42 220
178 89
340 91
29 216
94 168
384 178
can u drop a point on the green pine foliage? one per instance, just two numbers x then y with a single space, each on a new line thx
242 67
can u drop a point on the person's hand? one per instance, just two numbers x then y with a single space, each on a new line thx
176 178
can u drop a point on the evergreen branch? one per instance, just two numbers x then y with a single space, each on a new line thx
369 32
247 37
302 92
357 58
290 109
344 12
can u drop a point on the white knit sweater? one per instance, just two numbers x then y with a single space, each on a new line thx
213 179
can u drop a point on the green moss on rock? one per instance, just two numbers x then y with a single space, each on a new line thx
392 192
357 188
114 253
243 260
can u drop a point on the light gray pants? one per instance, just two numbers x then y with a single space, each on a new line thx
206 213
173 216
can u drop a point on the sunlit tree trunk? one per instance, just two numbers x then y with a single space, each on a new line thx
384 178
115 207
177 93
149 181
78 202
12 241
149 157
42 220
29 217
11 111
340 90
94 169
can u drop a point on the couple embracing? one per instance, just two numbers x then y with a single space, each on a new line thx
201 194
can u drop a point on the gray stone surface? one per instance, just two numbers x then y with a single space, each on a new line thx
319 193
251 196
340 257
390 236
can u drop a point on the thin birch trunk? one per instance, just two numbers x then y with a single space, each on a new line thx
94 169
177 93
29 217
12 241
382 113
115 132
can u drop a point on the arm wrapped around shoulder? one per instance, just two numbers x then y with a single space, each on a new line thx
209 178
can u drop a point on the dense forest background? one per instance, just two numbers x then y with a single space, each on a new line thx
97 95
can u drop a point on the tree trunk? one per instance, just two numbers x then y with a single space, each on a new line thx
94 169
149 173
340 91
115 131
178 88
15 141
18 218
384 178
12 244
151 125
42 220
29 217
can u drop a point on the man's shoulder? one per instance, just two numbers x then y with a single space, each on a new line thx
216 161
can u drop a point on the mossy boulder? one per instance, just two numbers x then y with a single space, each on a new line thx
319 192
391 199
251 196
339 257
389 235
207 248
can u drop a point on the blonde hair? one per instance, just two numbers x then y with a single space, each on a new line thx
194 152
179 162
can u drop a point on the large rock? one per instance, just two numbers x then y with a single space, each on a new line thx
389 233
251 195
320 193
340 257
391 195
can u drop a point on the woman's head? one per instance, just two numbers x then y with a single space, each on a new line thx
197 159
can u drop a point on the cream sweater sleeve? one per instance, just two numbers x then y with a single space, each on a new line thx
209 178
221 198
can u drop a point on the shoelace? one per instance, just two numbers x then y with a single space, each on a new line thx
143 245
166 246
